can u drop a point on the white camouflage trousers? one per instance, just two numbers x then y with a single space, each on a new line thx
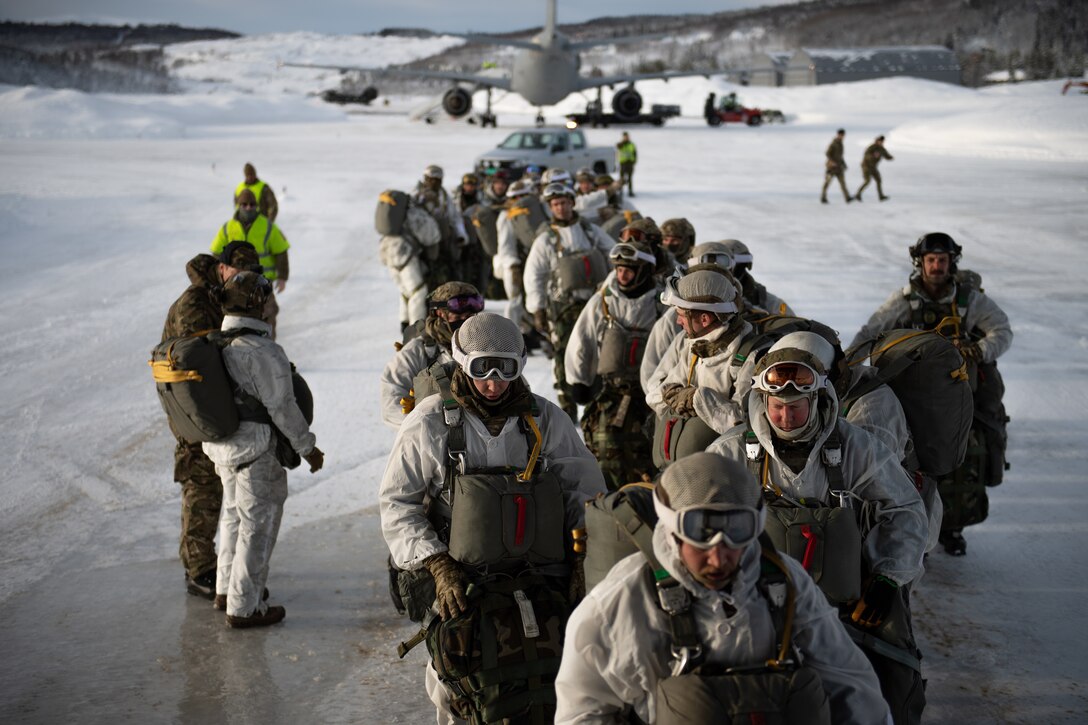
515 306
249 523
413 291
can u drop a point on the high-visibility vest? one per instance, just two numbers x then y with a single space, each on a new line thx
265 237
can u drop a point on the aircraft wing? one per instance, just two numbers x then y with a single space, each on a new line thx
479 80
586 82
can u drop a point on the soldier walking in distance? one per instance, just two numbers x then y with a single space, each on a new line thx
254 480
835 167
869 163
626 158
262 190
941 297
652 642
198 310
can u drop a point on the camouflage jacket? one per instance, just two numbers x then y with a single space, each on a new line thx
873 155
197 309
835 162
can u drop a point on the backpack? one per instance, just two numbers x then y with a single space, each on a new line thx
391 213
767 329
929 377
526 215
614 522
199 397
484 219
614 225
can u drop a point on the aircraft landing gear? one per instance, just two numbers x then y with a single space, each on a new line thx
487 118
539 118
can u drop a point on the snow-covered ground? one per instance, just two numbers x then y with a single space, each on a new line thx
103 199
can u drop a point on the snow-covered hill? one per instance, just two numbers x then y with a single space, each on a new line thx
104 198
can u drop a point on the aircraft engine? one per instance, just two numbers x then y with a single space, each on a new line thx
457 102
627 103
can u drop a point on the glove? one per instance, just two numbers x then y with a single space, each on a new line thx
540 322
581 393
971 352
407 404
517 279
449 585
316 459
577 590
876 602
681 400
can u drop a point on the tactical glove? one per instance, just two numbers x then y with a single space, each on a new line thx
517 279
876 602
540 322
681 400
971 352
449 585
581 393
316 459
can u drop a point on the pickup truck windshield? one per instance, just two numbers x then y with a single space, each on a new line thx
530 140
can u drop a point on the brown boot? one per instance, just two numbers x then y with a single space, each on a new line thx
272 615
220 602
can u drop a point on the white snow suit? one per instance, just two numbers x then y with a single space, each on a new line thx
618 640
664 331
583 345
254 482
543 258
400 372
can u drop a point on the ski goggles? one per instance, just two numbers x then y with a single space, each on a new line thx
803 378
462 303
720 259
487 365
671 296
708 525
627 253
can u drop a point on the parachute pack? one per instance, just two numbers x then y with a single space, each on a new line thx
199 397
615 223
526 215
391 213
484 219
929 377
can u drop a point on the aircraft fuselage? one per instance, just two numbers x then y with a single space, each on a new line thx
545 76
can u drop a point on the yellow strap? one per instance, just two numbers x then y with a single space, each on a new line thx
960 373
516 212
476 223
535 454
691 370
889 346
164 372
628 216
791 607
604 305
765 481
387 199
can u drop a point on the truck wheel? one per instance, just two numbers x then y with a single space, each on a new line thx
714 120
600 167
755 120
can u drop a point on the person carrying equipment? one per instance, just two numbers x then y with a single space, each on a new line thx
950 301
483 502
840 503
710 623
430 196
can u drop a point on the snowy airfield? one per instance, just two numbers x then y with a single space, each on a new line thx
103 199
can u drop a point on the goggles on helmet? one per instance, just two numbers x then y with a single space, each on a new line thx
707 525
463 303
555 190
720 259
487 365
627 253
804 378
671 296
633 235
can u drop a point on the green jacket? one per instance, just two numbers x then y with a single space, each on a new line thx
265 236
835 162
196 310
873 155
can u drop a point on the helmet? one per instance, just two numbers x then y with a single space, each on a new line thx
639 255
585 174
742 258
521 187
470 178
240 255
704 291
710 254
792 369
706 499
555 175
556 190
604 180
936 242
678 228
642 229
472 300
245 294
433 172
489 346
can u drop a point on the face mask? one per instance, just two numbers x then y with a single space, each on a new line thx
247 215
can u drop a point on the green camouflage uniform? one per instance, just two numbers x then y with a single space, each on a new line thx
201 490
614 424
869 162
836 169
561 324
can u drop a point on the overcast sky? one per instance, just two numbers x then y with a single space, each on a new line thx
348 16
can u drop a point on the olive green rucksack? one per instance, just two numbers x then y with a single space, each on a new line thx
391 212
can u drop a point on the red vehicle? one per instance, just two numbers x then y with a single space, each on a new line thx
729 110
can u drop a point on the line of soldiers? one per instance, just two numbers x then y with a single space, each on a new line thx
835 167
675 351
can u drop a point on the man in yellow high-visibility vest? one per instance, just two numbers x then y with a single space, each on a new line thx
249 225
627 157
266 199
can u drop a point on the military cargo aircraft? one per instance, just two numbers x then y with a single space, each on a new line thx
545 72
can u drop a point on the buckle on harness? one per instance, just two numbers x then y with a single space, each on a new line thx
682 657
674 598
832 456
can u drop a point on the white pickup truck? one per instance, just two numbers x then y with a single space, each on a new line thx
550 146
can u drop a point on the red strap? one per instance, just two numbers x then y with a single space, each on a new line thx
589 268
757 718
632 354
519 529
810 547
918 480
668 435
